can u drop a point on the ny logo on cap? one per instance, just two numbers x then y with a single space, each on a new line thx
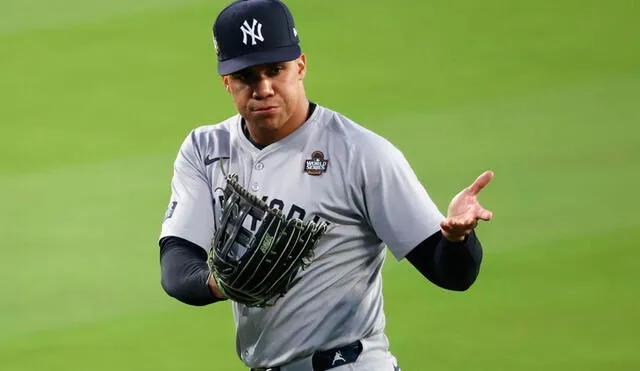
251 31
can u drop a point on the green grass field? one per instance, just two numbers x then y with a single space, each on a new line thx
97 97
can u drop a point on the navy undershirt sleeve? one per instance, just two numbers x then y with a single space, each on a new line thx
450 265
184 272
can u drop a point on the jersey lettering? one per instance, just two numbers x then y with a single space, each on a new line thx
296 212
277 204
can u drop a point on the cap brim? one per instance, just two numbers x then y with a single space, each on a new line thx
285 54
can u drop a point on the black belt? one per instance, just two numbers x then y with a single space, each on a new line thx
328 359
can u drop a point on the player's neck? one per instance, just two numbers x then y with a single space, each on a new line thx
264 136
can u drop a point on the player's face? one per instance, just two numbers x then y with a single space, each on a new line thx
270 97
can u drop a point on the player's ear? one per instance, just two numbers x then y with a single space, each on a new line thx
302 66
225 82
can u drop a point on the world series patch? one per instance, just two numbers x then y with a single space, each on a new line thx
317 164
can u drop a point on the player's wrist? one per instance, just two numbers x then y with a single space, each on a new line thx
215 288
455 238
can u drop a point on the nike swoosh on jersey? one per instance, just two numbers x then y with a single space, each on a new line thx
208 160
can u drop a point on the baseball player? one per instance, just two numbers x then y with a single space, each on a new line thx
351 193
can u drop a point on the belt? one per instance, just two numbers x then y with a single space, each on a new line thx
328 359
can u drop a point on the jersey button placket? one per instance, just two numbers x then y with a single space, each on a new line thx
257 174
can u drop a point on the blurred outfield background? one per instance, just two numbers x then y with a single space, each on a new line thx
96 97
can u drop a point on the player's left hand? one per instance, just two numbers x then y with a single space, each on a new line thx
464 210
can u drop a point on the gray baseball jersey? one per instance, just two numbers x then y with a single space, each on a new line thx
331 169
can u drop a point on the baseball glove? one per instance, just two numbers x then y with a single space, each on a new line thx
256 269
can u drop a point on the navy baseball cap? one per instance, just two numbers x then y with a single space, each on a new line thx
252 32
